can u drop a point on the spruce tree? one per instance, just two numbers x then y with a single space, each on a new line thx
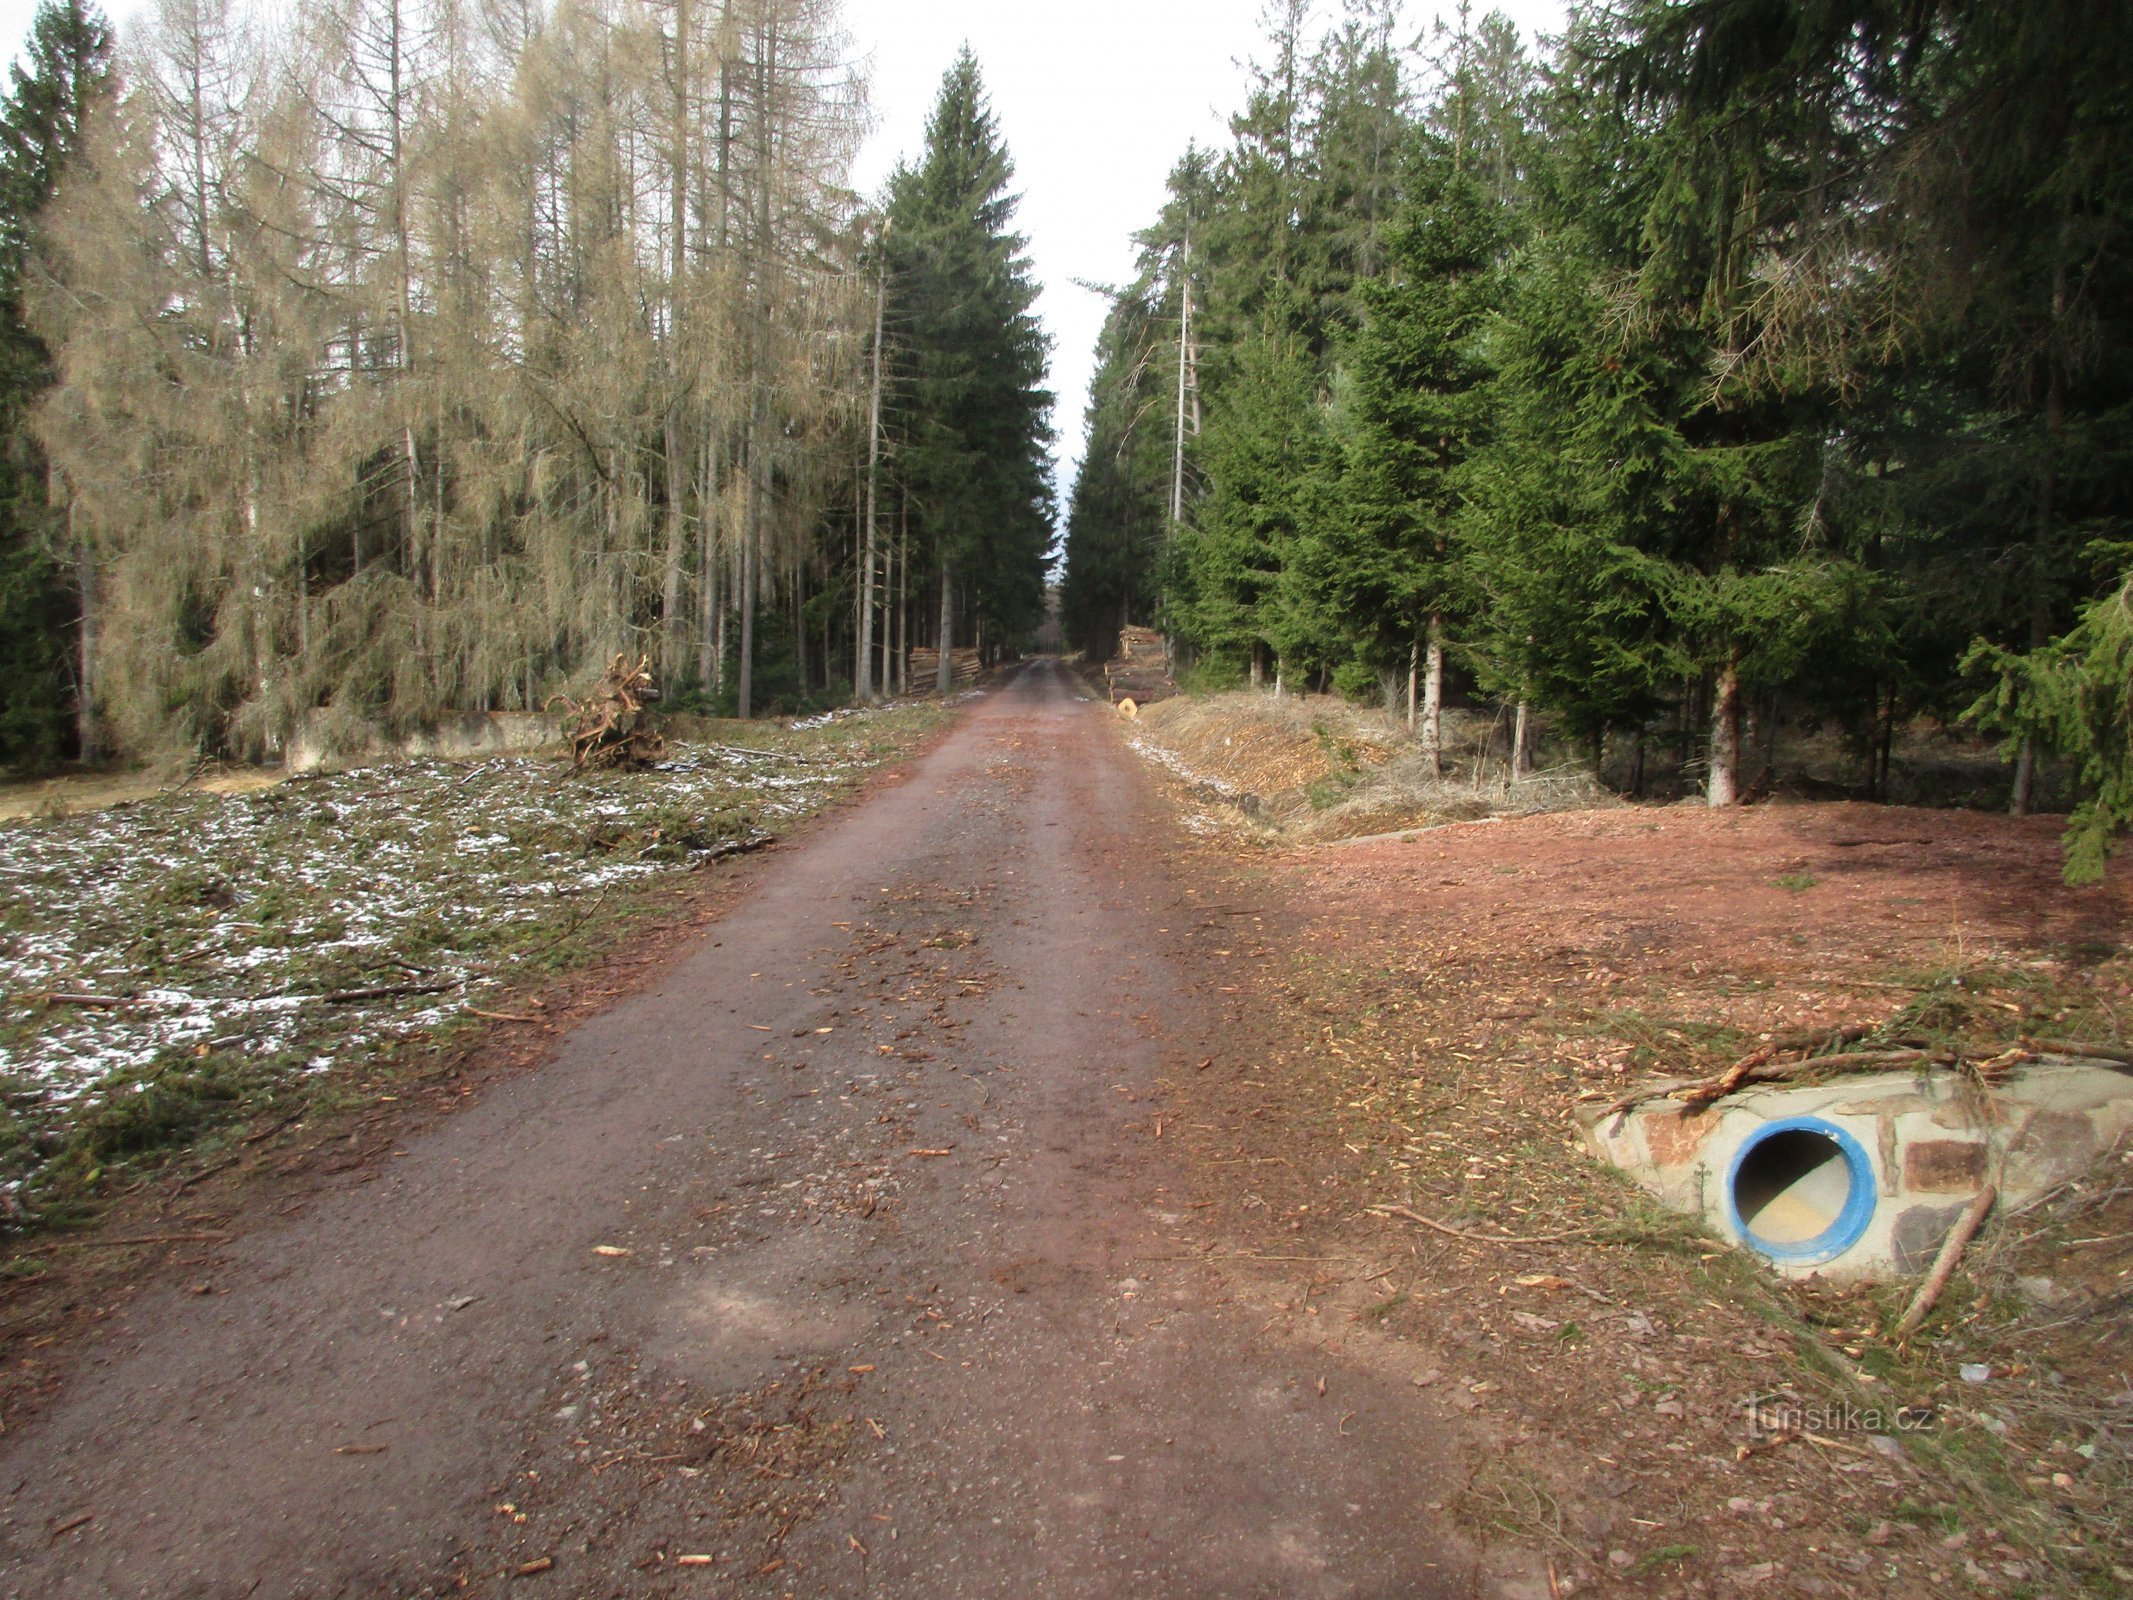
1756 580
55 86
1266 458
1418 409
972 413
2075 696
1119 514
1575 609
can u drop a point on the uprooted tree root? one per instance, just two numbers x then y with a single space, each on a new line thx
606 728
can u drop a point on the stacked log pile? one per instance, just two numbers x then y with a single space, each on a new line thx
963 668
1141 670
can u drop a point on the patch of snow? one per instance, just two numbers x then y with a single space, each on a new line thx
227 920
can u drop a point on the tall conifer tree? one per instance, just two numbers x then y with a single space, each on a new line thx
66 66
973 412
1420 406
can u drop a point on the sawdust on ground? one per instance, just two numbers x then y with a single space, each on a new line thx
1413 1022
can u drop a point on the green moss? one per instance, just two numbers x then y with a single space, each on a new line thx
1665 1556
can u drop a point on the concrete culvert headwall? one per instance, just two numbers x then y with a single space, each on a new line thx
1863 1176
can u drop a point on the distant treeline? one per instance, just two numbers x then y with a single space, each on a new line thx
421 354
1738 363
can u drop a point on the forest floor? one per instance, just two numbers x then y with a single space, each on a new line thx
1433 1007
989 1195
181 967
1315 768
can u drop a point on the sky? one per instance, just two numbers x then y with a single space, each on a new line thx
1096 102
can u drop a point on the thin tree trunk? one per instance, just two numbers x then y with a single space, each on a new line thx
859 540
758 455
404 351
2047 503
1177 464
1684 732
303 607
416 555
759 421
714 488
437 552
671 621
1432 729
708 665
676 446
865 685
1723 787
1414 678
88 734
944 670
891 572
1888 747
1518 743
799 625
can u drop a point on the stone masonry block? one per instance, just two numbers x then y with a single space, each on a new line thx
1944 1166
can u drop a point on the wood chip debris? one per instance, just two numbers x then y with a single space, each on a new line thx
203 1237
1451 1232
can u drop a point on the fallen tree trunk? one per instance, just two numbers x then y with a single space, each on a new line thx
1766 1071
1951 1252
2122 1054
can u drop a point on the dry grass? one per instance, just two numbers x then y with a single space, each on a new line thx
71 793
1316 768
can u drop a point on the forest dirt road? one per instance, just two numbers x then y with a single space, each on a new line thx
847 1259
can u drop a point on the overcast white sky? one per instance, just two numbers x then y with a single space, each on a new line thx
1096 102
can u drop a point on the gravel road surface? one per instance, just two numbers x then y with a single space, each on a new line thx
846 1259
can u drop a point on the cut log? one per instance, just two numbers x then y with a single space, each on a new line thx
964 666
1141 670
